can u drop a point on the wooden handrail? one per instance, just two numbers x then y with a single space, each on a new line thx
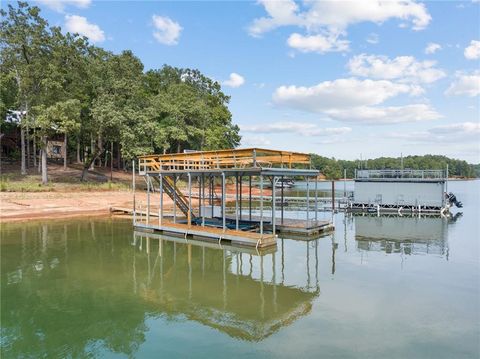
233 158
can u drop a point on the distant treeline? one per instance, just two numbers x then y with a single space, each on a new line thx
333 168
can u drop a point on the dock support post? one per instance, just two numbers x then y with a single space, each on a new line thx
174 199
316 199
308 199
240 202
236 202
211 183
446 180
333 197
160 210
250 198
223 201
133 188
189 215
202 184
148 199
281 201
261 204
274 182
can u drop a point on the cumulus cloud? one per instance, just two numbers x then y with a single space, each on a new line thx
317 43
235 80
301 128
472 52
463 132
465 84
338 15
340 93
402 68
327 21
385 115
354 100
59 5
80 25
166 31
432 48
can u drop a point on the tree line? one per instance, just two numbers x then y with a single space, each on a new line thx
103 105
334 169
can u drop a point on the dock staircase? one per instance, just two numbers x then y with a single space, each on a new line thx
174 193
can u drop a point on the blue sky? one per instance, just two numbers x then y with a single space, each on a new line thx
336 78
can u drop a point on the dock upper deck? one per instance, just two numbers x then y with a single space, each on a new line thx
254 161
399 175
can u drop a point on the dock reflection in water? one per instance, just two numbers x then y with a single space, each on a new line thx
410 235
85 288
224 287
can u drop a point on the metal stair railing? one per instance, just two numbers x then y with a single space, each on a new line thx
176 195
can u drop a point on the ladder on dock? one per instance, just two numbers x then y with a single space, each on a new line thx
175 194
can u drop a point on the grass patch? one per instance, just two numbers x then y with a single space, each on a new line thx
9 183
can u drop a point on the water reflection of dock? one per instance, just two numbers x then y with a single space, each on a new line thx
226 288
405 235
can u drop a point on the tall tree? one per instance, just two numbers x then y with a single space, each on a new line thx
23 35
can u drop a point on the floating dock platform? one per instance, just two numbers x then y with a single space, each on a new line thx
200 184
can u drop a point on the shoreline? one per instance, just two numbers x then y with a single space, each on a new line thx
24 206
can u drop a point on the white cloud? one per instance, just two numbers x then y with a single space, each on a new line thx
59 5
385 115
472 52
341 93
373 38
465 84
166 31
432 48
354 100
301 128
402 68
255 141
457 132
338 15
466 128
80 25
235 80
317 43
327 21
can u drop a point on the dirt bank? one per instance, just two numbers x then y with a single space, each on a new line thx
22 206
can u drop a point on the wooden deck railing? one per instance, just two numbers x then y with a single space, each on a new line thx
223 159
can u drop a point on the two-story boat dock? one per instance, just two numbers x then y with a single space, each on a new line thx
200 209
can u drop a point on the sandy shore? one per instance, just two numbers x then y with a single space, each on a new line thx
22 206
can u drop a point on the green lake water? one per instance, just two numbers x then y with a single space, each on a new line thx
379 287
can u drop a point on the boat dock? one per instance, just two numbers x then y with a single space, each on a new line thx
402 191
200 211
